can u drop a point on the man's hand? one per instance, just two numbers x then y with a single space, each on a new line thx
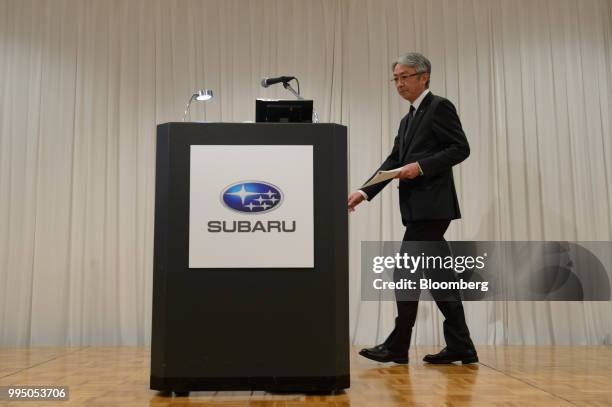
409 171
354 199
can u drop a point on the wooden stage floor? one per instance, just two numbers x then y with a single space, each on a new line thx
505 376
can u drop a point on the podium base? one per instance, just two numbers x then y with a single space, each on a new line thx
318 384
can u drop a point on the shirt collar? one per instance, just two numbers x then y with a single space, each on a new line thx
418 100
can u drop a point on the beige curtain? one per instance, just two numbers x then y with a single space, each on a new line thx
83 84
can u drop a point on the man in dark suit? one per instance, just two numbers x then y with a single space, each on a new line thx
429 142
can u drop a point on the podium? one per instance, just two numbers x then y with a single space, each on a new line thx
250 279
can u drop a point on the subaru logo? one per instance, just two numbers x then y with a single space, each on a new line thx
252 197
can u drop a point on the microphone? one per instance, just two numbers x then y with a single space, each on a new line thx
265 82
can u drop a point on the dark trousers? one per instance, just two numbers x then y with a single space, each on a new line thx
456 332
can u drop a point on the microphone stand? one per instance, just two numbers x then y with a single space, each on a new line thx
315 116
290 89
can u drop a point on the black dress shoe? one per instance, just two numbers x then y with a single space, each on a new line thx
446 356
381 353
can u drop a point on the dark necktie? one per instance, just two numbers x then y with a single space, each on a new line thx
409 122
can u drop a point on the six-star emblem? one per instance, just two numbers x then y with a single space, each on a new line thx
252 196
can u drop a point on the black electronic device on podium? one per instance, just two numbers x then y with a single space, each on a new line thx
250 285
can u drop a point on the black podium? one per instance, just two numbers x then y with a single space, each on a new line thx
220 323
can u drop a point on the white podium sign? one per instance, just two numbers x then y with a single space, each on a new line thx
251 206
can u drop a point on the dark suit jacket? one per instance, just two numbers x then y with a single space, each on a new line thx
436 140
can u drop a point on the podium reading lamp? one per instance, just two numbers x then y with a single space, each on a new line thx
203 95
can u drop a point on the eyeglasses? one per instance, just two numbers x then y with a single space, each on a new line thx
404 77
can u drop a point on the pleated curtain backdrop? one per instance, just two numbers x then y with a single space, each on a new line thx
83 84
